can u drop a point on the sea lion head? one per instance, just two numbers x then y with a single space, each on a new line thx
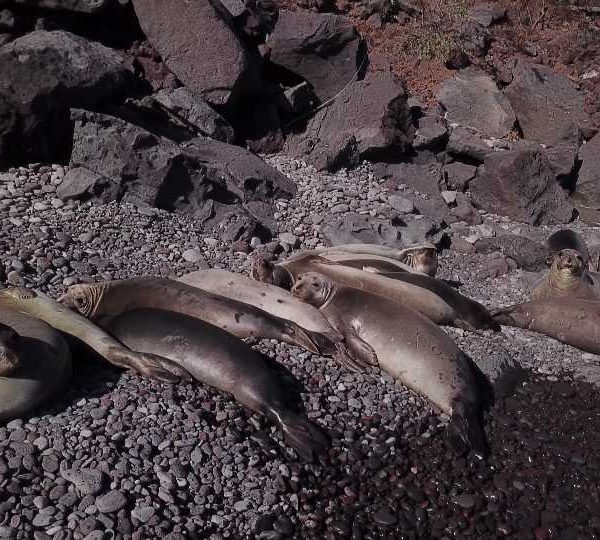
569 262
422 258
261 269
82 298
313 288
9 357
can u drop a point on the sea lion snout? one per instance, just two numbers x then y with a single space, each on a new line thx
569 259
313 288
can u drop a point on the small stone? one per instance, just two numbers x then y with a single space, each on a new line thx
385 518
192 255
143 513
401 204
289 238
87 481
113 501
465 500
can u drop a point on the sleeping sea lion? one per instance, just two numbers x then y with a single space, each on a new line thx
94 300
409 347
217 358
40 306
567 239
37 366
573 321
567 278
371 263
434 306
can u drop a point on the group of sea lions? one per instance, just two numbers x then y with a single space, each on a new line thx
361 304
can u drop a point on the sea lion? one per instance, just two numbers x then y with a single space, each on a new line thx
567 239
39 363
573 321
568 278
280 303
217 358
410 348
370 263
40 306
242 320
435 307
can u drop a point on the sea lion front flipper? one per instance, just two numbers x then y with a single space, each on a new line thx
296 335
465 430
305 437
150 365
346 359
504 316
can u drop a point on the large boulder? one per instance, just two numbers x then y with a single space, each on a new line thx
549 107
8 126
588 182
521 184
115 160
81 6
324 49
472 99
42 75
371 121
198 42
465 144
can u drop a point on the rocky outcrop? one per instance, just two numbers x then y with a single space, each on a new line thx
114 160
486 13
198 42
588 182
42 75
472 99
521 184
465 144
371 121
321 48
549 108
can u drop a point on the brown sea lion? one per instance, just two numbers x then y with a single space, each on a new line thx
40 306
35 363
433 304
409 347
217 358
568 278
573 321
94 300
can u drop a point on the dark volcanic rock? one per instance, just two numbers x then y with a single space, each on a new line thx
81 6
487 13
457 175
372 121
322 49
549 108
474 38
472 99
528 254
43 74
8 125
197 40
125 162
463 143
588 182
522 185
421 178
431 133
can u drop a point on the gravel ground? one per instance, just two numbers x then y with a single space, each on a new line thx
118 456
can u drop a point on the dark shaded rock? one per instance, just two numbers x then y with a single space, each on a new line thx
521 184
257 19
198 42
260 127
204 176
474 39
421 178
528 254
113 501
463 143
43 74
588 182
8 125
549 108
431 133
472 99
373 121
457 59
465 211
322 49
148 65
563 160
81 6
457 175
487 13
398 232
296 101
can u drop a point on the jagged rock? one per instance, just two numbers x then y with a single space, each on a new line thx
463 143
563 160
487 13
321 48
588 182
82 6
204 176
373 121
81 183
457 175
474 38
431 133
549 108
528 254
197 40
472 99
522 185
398 232
421 178
43 74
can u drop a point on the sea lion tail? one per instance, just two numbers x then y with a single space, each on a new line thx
465 430
305 437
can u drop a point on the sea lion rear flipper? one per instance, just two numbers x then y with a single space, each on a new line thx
465 430
356 353
305 437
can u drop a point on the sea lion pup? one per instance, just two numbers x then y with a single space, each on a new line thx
217 358
567 239
568 277
94 300
40 306
573 321
40 365
410 348
435 307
